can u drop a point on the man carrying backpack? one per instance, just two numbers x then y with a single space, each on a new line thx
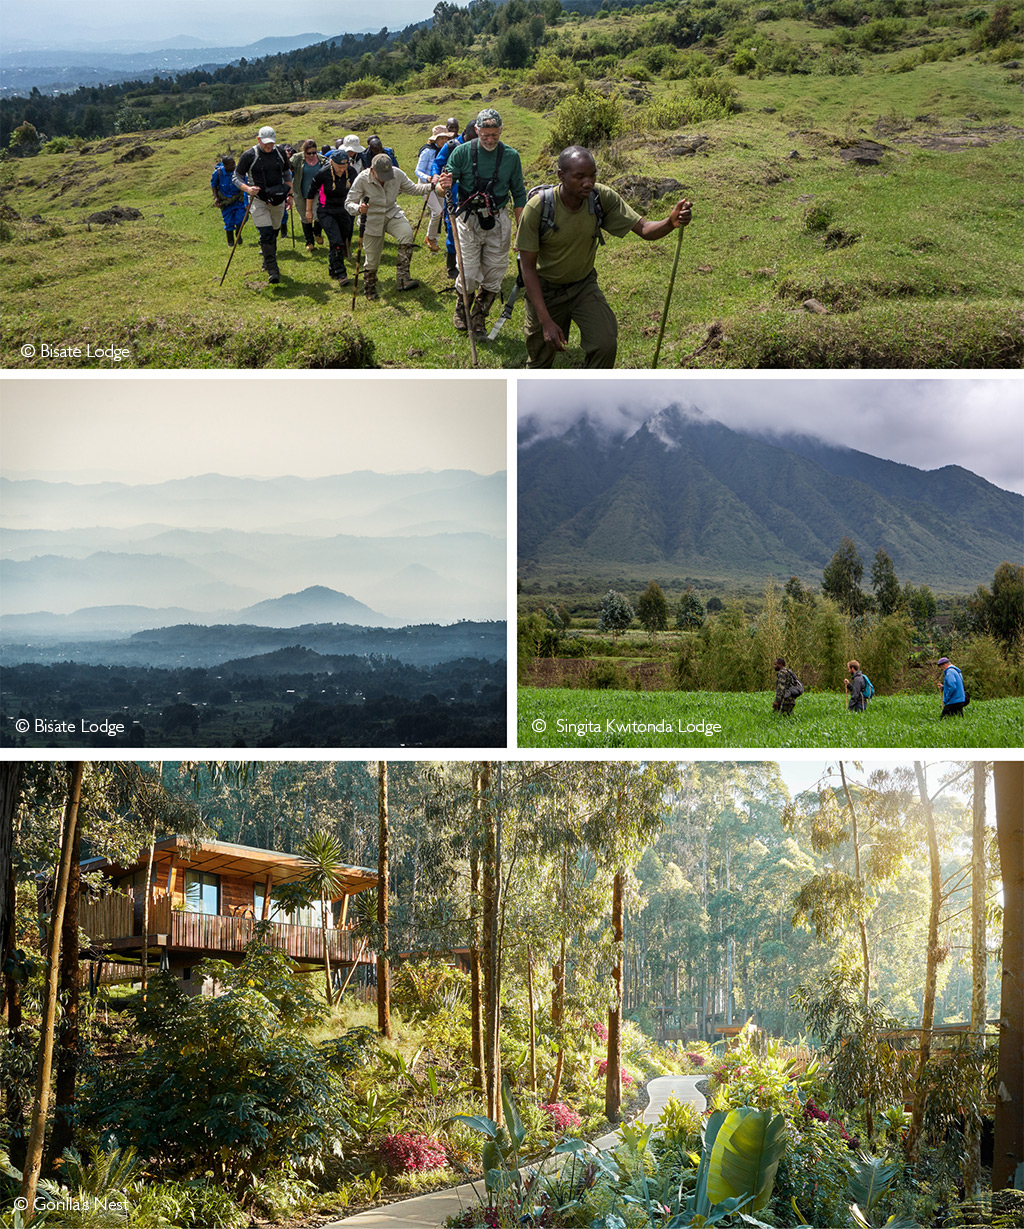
264 175
858 687
558 240
487 172
787 688
954 694
228 199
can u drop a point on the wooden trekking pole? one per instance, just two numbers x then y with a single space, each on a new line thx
291 218
238 234
462 274
422 212
668 298
359 252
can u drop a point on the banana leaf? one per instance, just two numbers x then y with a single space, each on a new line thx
746 1153
870 1179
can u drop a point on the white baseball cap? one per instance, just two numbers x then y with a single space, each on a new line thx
267 134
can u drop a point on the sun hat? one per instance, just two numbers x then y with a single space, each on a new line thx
351 143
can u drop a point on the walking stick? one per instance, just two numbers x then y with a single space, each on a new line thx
238 233
359 252
422 212
668 297
291 218
462 274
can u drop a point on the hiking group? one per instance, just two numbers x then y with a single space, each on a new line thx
470 180
859 688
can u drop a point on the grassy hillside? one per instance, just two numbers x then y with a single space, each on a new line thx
914 258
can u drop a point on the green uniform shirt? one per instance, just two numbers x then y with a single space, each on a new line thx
510 172
566 253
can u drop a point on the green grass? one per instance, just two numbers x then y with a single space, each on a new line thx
927 279
747 720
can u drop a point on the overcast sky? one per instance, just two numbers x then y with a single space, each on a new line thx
140 431
926 423
60 22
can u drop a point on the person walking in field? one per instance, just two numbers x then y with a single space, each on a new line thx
264 175
787 688
305 164
856 688
329 191
558 238
954 694
229 199
489 174
374 195
424 172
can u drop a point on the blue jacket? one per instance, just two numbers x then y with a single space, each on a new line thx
222 182
953 686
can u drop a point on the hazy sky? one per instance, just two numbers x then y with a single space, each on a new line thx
60 22
141 431
926 423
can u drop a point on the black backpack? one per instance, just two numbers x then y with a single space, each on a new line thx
547 210
481 200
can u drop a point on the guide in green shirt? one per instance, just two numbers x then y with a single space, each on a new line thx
557 248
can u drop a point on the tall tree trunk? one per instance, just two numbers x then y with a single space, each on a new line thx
1009 1121
10 792
979 971
145 909
913 1144
491 906
68 991
533 1021
327 911
476 972
613 1072
383 887
558 984
41 1100
860 882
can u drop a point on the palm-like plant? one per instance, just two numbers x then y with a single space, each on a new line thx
321 853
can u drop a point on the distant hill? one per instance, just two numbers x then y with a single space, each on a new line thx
316 604
198 645
685 496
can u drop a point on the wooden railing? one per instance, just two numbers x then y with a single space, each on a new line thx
115 917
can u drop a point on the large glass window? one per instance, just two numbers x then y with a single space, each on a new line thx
307 915
202 892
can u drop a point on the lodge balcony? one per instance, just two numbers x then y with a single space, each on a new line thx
114 924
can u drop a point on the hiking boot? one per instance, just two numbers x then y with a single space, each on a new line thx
431 244
453 265
310 247
320 239
370 283
460 320
402 278
344 280
230 236
478 318
336 261
268 248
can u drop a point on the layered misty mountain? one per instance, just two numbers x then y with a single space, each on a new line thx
363 548
685 496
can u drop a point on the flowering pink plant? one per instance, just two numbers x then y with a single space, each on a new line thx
698 1060
600 1031
624 1075
406 1152
562 1117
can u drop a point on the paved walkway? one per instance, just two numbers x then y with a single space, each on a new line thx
430 1211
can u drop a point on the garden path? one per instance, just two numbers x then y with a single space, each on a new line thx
430 1211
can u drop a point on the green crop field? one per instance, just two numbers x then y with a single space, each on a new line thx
574 719
913 259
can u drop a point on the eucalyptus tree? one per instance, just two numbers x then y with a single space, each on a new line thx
1009 1115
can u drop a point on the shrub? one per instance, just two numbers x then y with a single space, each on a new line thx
586 118
407 1153
624 1075
616 613
562 1117
363 87
716 90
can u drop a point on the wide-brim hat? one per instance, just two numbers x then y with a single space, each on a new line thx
439 130
351 143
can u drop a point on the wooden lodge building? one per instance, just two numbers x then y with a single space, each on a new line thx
205 898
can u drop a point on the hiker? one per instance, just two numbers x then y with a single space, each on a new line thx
954 694
787 688
264 175
375 146
856 687
229 199
374 194
424 172
329 189
445 151
488 172
558 240
305 165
